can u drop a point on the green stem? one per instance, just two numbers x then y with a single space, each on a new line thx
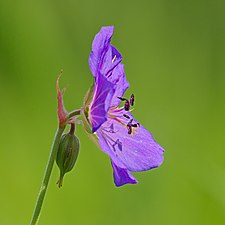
47 175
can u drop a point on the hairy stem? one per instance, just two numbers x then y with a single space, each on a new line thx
74 113
72 128
47 175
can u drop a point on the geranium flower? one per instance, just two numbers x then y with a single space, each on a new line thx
129 145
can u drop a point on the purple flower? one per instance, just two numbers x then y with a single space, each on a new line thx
129 145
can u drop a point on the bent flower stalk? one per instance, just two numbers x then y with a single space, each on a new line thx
129 145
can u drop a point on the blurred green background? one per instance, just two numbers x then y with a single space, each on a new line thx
174 56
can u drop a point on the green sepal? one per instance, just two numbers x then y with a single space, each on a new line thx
88 96
85 110
86 123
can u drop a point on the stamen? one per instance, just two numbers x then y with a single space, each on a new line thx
135 125
122 99
126 116
126 105
130 122
130 125
129 128
132 99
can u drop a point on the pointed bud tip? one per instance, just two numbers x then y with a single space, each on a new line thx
62 113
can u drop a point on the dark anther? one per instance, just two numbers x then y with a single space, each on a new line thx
122 99
130 122
135 125
126 116
132 99
127 105
130 125
129 128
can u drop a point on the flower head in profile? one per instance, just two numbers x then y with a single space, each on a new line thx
129 145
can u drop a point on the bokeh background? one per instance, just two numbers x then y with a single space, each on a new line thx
174 56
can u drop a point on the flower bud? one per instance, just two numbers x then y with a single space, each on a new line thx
67 154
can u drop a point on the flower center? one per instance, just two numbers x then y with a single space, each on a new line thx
130 125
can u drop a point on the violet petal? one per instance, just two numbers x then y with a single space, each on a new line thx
136 152
121 84
102 96
104 57
122 176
